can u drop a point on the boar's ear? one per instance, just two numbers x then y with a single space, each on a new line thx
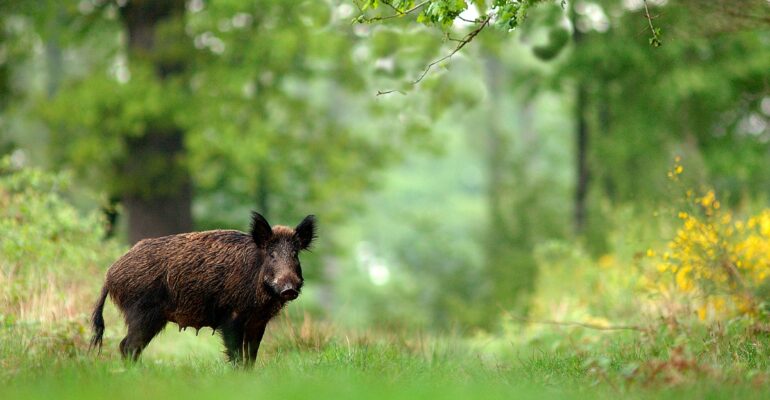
306 232
260 229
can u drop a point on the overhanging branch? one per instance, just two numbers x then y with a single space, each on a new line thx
462 42
482 23
398 13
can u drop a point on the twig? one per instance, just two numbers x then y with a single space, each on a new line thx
381 92
398 13
451 39
483 23
470 21
464 41
655 39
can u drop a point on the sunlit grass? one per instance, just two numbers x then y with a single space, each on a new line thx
309 359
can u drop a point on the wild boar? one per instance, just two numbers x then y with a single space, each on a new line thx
230 281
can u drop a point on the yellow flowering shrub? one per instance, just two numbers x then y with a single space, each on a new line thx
718 261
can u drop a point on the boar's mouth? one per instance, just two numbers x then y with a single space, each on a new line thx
287 292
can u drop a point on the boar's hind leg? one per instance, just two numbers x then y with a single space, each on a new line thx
232 336
142 327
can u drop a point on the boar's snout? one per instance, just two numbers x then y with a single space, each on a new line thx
289 293
285 287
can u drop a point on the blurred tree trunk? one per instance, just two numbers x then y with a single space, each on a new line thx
499 229
165 207
157 156
509 259
5 82
605 129
6 145
581 157
581 139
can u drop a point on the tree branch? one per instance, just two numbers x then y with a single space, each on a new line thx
483 23
381 92
655 39
462 42
398 13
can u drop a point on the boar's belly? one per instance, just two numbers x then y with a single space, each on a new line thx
198 318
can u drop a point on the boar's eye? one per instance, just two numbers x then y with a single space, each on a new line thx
273 255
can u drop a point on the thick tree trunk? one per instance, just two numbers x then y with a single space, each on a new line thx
160 204
159 215
159 197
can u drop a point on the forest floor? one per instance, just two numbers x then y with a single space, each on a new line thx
311 360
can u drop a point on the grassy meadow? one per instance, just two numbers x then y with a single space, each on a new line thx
49 286
313 360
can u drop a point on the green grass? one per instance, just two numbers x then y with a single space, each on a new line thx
318 363
52 265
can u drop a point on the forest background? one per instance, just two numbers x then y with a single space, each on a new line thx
513 175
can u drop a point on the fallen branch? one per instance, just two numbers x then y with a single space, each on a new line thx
579 324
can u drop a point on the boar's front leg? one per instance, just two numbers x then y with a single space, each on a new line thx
232 336
252 338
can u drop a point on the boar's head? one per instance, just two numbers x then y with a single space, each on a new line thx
280 246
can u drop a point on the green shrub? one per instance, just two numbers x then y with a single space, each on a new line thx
51 254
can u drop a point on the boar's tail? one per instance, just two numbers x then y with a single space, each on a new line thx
97 321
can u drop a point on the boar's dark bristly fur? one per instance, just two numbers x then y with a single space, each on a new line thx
230 281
